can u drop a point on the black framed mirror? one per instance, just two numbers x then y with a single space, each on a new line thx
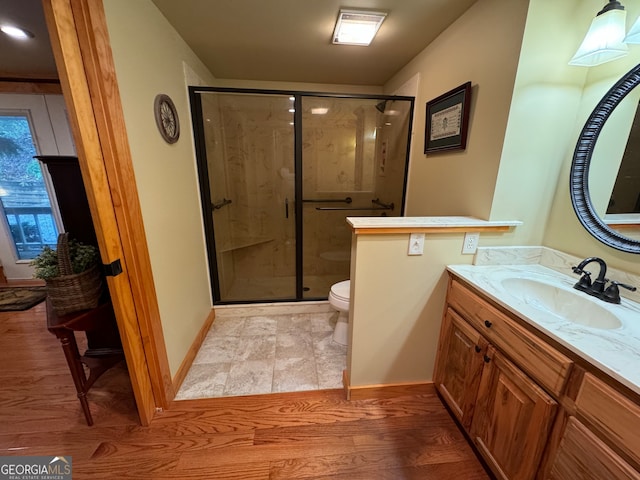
579 176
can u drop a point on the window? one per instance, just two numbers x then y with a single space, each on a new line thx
24 198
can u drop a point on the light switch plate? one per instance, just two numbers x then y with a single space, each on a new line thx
416 244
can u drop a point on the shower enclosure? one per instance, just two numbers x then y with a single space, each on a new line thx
280 172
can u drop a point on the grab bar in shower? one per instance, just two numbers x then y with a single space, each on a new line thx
352 208
385 206
328 200
382 206
219 205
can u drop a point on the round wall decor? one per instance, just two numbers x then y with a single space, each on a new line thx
166 118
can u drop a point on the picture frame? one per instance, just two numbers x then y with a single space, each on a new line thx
447 120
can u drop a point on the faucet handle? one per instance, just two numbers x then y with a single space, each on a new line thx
612 293
585 281
631 288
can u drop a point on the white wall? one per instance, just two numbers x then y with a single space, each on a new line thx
397 306
482 46
545 101
149 57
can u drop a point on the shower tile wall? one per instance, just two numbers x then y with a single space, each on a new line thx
338 162
351 150
392 151
254 239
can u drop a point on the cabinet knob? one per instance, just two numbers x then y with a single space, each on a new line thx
487 359
487 323
478 349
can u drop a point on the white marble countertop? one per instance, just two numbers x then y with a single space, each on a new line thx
614 351
424 222
622 218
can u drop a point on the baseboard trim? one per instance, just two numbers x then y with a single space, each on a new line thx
193 351
386 390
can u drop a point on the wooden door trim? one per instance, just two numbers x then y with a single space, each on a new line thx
80 42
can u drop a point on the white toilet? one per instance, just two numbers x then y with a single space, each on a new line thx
339 299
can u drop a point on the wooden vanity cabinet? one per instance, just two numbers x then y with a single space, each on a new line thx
528 408
505 412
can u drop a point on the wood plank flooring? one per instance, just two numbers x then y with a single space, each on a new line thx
309 435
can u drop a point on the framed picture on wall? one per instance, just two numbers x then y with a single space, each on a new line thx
447 120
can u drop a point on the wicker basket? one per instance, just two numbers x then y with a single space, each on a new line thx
71 292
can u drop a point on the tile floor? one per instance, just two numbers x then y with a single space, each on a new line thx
267 349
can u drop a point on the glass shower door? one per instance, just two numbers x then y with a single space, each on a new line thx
354 157
249 143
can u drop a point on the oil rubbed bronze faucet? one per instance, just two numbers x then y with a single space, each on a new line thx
610 294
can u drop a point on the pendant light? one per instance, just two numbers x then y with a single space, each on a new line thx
605 39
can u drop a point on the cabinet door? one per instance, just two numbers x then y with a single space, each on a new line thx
459 366
512 419
583 456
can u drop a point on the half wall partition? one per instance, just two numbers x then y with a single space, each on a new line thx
280 172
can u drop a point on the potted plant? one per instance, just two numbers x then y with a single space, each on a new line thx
72 274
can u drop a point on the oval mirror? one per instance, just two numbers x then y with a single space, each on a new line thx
579 177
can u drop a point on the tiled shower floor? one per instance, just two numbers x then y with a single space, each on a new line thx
266 349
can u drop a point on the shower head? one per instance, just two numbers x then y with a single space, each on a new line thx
381 106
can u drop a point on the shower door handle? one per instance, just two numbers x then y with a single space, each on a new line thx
286 208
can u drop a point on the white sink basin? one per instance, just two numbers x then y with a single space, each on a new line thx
566 304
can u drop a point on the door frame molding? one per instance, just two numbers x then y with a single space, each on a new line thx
80 42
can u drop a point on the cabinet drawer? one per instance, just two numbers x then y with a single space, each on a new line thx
582 456
540 361
613 415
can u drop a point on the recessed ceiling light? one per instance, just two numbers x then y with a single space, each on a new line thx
16 32
292 110
357 27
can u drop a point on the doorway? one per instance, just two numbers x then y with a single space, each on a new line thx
280 172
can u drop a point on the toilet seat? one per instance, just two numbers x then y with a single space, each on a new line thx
339 295
341 290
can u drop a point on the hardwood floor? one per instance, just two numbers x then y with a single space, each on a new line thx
310 435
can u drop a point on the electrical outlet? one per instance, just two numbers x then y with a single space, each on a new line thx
470 244
416 244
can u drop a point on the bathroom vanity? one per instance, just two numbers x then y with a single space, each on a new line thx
541 397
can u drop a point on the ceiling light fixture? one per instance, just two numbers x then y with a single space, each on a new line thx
16 32
319 111
357 27
604 40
